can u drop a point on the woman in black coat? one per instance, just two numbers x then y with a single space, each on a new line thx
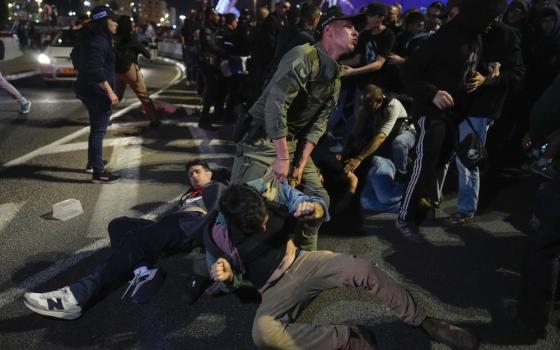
94 59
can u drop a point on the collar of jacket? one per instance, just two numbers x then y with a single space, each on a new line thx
330 66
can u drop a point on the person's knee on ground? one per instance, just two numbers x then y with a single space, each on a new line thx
269 333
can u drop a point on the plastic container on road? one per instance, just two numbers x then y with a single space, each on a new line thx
67 209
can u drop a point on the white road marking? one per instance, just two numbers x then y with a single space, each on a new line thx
121 196
199 142
79 146
39 278
27 157
8 212
12 294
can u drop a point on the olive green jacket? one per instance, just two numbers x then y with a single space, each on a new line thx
301 95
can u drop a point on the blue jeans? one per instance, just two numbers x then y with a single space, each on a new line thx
99 111
401 145
381 193
469 180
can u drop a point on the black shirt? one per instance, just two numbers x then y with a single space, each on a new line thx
370 47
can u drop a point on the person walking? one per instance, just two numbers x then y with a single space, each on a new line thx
94 59
6 87
127 49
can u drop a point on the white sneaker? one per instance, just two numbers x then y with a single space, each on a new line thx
25 107
59 303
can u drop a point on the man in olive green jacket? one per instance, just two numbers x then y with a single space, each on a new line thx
291 115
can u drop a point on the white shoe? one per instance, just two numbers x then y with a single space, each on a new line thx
59 303
25 107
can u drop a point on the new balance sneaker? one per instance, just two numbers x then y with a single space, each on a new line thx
408 231
105 178
459 219
145 284
59 303
25 107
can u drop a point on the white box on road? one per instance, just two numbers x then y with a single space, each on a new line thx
67 209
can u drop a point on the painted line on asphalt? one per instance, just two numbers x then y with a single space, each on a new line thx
12 294
40 151
8 211
123 196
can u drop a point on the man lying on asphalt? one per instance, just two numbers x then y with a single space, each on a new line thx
251 240
136 244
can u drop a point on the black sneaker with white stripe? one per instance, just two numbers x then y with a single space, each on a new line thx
105 178
59 303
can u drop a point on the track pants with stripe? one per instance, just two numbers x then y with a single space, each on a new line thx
435 145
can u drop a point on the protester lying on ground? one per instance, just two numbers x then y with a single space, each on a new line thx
136 244
251 240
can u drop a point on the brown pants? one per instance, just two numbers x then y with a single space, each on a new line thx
310 274
136 82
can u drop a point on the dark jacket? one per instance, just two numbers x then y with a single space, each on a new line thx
288 39
127 49
501 44
95 64
210 50
440 63
266 41
195 228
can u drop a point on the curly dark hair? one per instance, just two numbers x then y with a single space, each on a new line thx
244 208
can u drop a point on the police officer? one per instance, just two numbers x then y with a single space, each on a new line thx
291 114
211 54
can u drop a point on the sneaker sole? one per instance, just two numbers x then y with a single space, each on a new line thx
57 314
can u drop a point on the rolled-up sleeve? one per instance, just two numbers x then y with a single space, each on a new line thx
290 78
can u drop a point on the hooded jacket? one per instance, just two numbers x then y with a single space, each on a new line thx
500 44
522 5
440 64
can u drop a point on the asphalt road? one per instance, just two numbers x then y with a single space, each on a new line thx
466 275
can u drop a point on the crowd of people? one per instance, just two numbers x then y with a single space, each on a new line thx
334 112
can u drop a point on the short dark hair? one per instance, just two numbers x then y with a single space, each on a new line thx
243 207
125 26
414 17
197 162
372 93
308 12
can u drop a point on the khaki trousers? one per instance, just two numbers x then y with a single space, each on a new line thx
134 79
310 274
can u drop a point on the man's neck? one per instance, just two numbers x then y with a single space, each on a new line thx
331 50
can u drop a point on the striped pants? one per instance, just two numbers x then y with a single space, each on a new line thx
436 140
